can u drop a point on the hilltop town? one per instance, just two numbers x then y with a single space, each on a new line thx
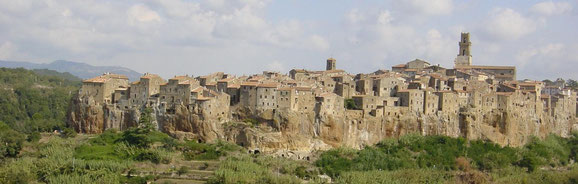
293 115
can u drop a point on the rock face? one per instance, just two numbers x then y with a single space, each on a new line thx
298 133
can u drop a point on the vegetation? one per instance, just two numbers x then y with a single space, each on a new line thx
434 159
350 104
259 169
10 141
34 102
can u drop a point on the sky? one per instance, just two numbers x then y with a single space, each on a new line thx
242 37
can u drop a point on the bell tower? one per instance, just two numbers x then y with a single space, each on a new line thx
464 57
331 64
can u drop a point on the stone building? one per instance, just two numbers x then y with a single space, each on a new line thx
177 90
329 103
331 64
387 86
431 102
344 86
411 98
295 98
142 90
248 95
367 103
464 57
102 88
266 96
211 78
448 102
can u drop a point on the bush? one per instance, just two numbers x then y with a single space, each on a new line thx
148 155
136 137
183 170
33 137
68 133
245 169
10 141
350 104
201 151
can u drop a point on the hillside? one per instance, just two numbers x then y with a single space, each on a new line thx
35 100
81 70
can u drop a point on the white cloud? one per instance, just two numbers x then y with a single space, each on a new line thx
551 8
319 43
7 49
354 16
507 24
276 66
429 7
550 50
141 13
385 17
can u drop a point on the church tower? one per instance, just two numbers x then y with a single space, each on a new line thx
464 57
331 64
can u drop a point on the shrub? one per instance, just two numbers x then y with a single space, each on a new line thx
33 137
350 104
10 141
136 137
148 155
183 170
68 133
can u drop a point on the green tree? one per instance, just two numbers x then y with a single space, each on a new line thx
350 104
137 137
68 133
10 141
146 119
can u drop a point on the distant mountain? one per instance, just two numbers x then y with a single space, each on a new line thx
80 70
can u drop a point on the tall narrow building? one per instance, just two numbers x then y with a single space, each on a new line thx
464 57
331 64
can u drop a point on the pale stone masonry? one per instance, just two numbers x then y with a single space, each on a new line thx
417 86
415 92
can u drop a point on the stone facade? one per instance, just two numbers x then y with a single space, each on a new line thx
305 111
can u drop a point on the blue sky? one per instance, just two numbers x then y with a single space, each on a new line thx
173 37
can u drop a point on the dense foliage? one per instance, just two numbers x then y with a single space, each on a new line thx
262 169
32 102
441 153
350 104
10 141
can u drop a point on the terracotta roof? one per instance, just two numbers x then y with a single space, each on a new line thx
180 77
186 82
333 71
210 84
234 86
104 78
268 85
302 88
135 82
149 76
486 67
399 66
326 94
202 98
226 80
197 89
249 84
544 96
